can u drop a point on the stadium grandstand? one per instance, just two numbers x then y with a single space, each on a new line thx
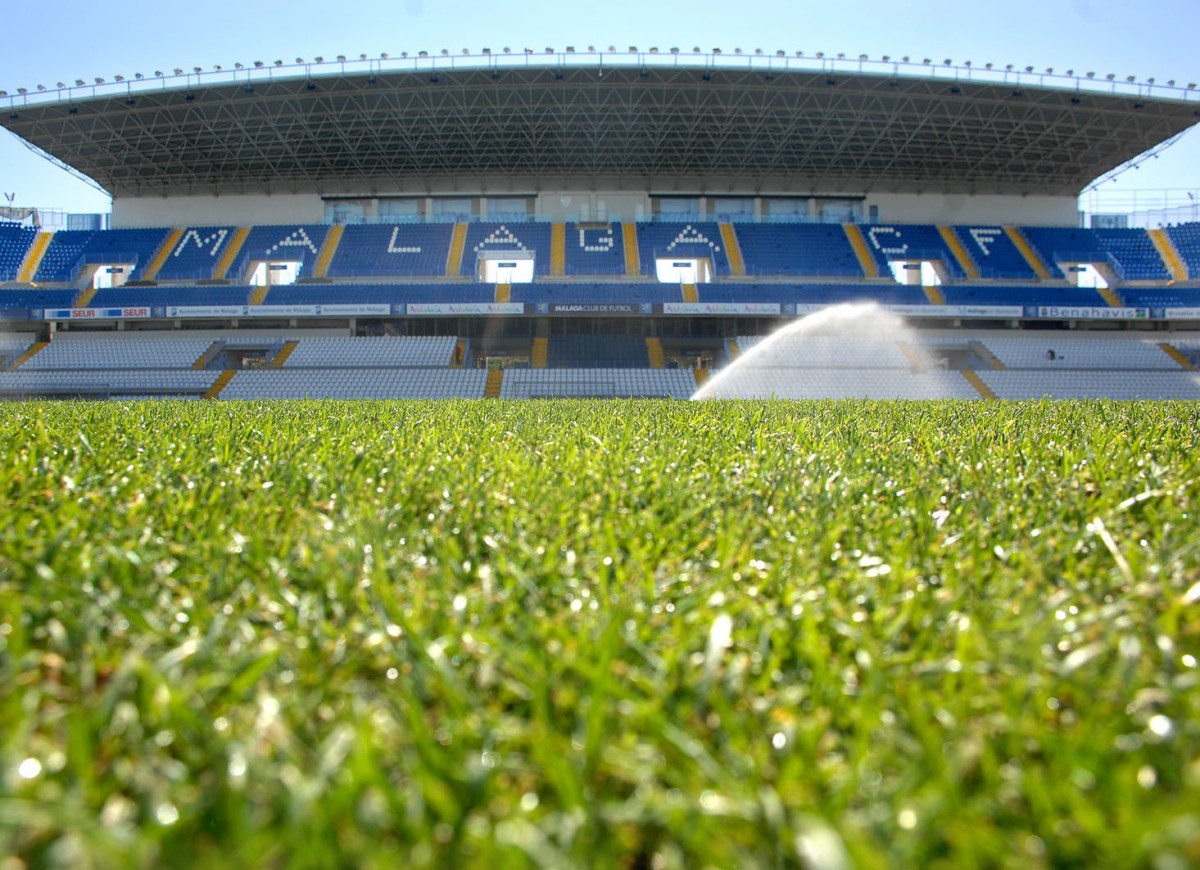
597 224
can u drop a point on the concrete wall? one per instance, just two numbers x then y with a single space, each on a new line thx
930 208
199 211
608 205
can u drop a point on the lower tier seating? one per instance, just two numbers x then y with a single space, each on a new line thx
333 383
597 382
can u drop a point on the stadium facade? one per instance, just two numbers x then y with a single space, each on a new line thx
596 224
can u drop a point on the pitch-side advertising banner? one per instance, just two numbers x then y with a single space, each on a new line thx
765 309
95 313
417 309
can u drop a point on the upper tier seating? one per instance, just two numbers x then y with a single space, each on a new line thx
418 250
994 253
597 351
442 383
1161 297
196 255
118 350
136 246
15 241
1135 253
620 382
378 352
62 257
287 243
960 294
814 294
696 240
1186 238
594 249
888 242
483 238
1066 245
797 249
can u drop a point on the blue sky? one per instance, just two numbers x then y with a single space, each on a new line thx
75 39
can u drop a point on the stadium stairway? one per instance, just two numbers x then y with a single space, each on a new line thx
689 292
934 295
859 244
701 377
160 257
259 295
220 384
495 380
977 382
328 248
207 356
458 244
734 350
1111 299
733 250
1175 354
29 354
539 353
914 357
231 252
558 250
504 293
654 350
1170 256
289 348
633 260
85 296
960 254
1022 244
33 259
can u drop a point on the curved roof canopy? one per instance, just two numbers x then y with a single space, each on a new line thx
687 127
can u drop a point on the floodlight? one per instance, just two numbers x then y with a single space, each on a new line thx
445 52
3 93
79 83
1191 86
1130 78
138 76
507 50
926 61
1150 80
1091 75
1008 68
466 51
238 65
737 51
1111 76
383 56
841 55
820 54
549 50
1028 69
319 60
99 80
758 52
967 64
196 69
780 53
119 78
217 68
362 56
258 64
1170 83
905 58
863 57
1070 72
654 50
1049 70
716 51
41 87
947 61
633 49
278 63
529 51
62 84
886 58
299 60
21 91
988 65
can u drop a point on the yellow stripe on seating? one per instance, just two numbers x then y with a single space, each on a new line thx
220 383
701 376
859 244
540 354
690 293
1174 353
558 250
33 259
328 248
633 260
654 349
734 350
286 351
29 354
977 382
934 295
1170 256
164 251
231 252
1035 262
495 380
960 253
85 296
503 293
1110 298
733 250
458 243
259 296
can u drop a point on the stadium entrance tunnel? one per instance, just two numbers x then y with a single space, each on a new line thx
273 273
683 270
923 273
1099 276
108 275
506 267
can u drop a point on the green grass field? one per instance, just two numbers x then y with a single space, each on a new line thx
650 634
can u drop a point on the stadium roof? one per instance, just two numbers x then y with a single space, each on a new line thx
694 124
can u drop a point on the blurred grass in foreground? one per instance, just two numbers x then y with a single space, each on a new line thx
587 633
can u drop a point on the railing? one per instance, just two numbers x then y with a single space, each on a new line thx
768 62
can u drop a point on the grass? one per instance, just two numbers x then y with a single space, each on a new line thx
594 633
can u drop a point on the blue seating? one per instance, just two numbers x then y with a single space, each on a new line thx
15 241
485 237
994 253
797 249
814 294
1041 295
377 294
1135 253
595 294
597 352
1186 238
136 246
696 240
888 242
61 260
287 243
196 255
15 300
149 297
593 249
1066 245
1161 297
410 250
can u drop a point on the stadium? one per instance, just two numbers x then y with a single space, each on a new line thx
353 607
596 224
